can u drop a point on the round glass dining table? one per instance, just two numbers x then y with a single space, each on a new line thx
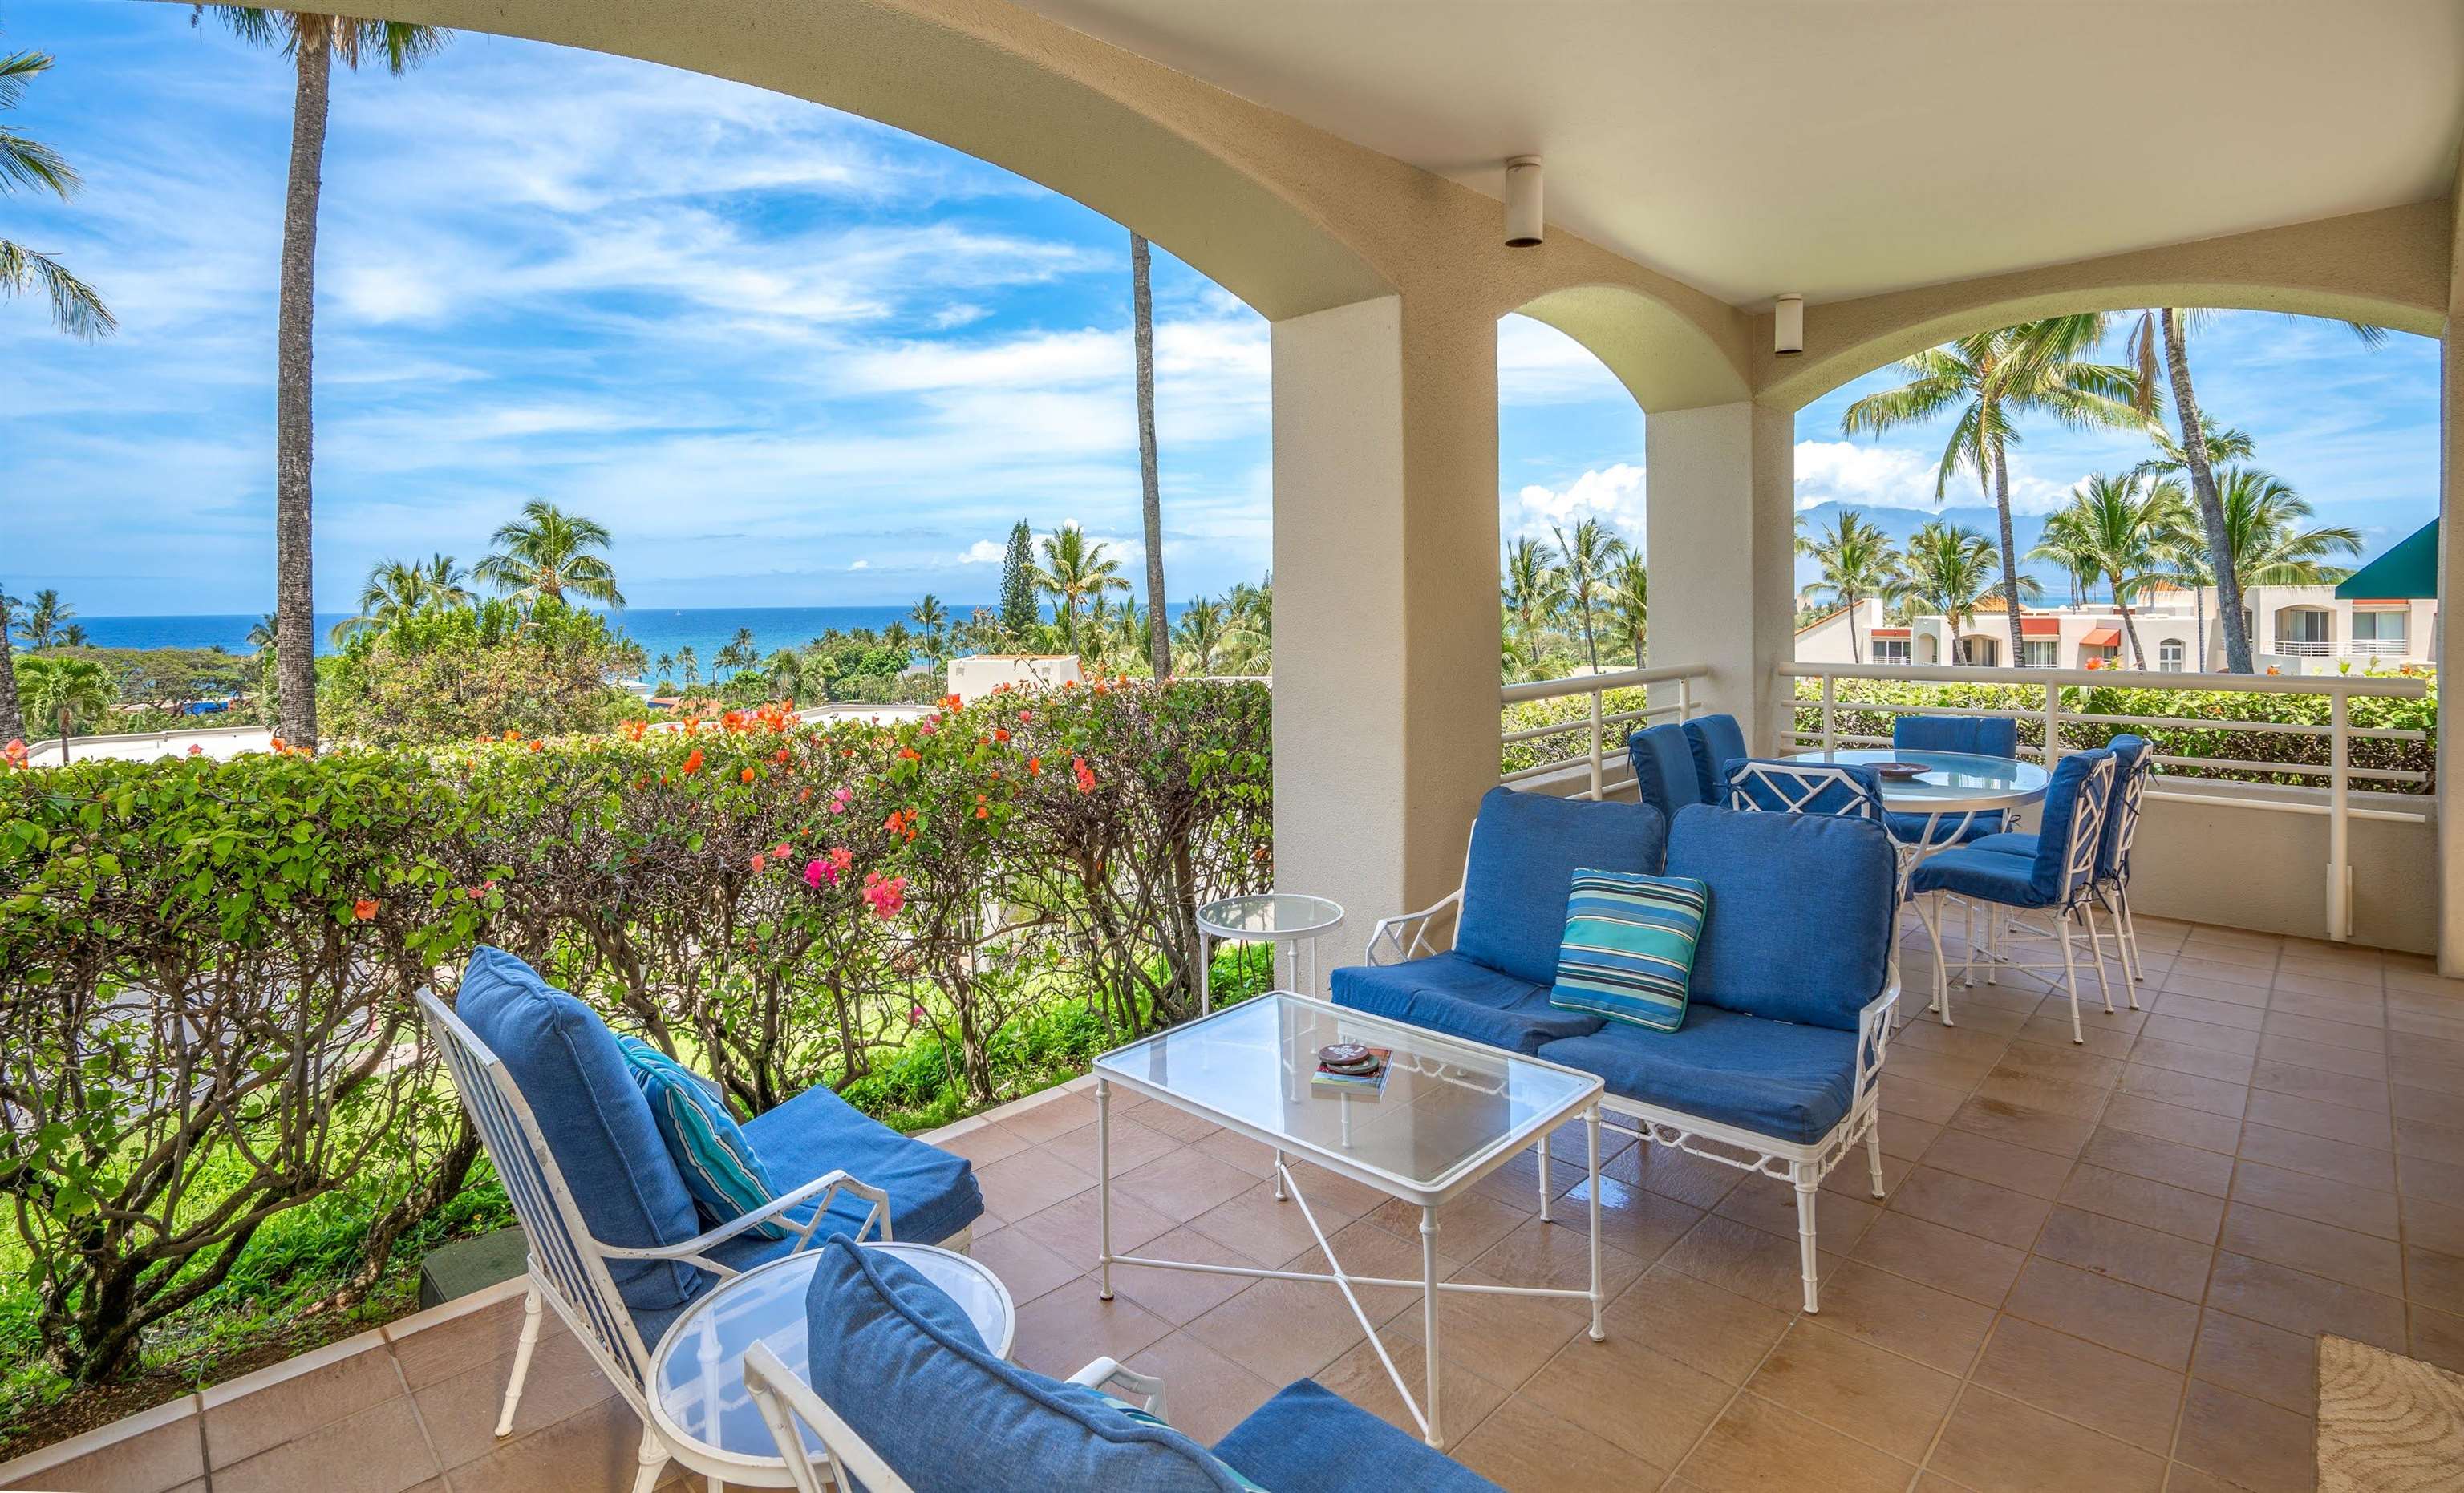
1953 783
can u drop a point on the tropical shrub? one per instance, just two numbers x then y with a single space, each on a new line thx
207 969
1573 712
453 673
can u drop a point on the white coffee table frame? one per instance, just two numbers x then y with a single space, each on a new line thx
1427 1195
720 1376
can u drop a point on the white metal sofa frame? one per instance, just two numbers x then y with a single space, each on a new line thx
2078 885
786 1402
568 1267
1802 1165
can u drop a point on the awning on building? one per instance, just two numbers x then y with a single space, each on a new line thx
2102 638
1888 632
2408 570
2041 627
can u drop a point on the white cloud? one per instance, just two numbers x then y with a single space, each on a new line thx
1899 477
1538 365
1613 494
985 551
862 564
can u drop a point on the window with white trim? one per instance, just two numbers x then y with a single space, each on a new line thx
2040 653
1891 650
2378 627
2171 656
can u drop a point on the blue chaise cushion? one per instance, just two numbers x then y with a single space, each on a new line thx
1716 740
933 1193
1525 847
1802 908
1310 1439
1986 736
593 1117
1629 947
945 1414
1463 998
727 1180
1780 1079
1664 776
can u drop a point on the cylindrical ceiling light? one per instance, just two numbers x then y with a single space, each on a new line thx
1788 325
1522 202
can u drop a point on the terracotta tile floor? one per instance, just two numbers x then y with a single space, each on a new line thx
2097 1266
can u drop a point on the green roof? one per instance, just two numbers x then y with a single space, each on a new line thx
2407 571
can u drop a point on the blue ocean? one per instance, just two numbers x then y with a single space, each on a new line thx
659 629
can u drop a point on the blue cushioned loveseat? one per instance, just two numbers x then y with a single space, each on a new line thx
617 1245
1777 1065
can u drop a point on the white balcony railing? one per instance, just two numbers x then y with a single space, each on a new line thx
1604 731
2304 648
2384 648
2179 785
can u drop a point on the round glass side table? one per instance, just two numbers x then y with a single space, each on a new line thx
1288 918
696 1381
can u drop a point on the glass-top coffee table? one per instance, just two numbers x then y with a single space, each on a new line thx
697 1397
1450 1113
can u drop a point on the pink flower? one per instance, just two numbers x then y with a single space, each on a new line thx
195 750
915 1015
814 874
839 800
887 896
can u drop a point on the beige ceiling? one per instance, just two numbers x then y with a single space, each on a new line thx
1842 148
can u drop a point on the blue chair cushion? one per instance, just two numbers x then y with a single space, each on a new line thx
1784 785
1947 828
1665 775
933 1193
2021 843
945 1414
1715 741
1629 947
593 1117
2131 759
1310 1439
1987 735
1452 994
1973 870
1525 849
1802 909
725 1178
1781 1079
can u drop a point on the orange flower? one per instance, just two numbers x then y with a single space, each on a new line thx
780 756
364 908
761 863
536 745
803 795
910 755
280 747
745 775
692 760
1034 765
1000 732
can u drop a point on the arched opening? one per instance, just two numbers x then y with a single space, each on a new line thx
2302 630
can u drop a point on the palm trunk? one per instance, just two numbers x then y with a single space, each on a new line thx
12 723
2203 489
2010 555
1151 482
2129 628
64 735
2199 616
1855 655
294 605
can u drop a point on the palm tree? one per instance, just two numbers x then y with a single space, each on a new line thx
1535 588
2118 531
397 589
44 617
12 722
2163 335
1856 560
1201 634
74 635
2226 443
1076 569
1590 555
1948 569
1249 617
786 670
547 553
68 691
664 666
738 654
1149 481
76 308
1991 379
688 665
1629 602
312 42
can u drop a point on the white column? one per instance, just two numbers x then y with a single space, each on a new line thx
2450 636
1386 611
1722 526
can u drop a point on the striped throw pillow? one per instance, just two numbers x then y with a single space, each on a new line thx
727 1180
1629 947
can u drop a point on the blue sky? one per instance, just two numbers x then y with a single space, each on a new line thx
788 356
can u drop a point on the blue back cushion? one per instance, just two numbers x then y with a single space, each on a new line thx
727 1180
1987 735
2047 877
1802 906
597 1125
1525 849
1716 740
1664 768
2132 760
945 1414
1780 785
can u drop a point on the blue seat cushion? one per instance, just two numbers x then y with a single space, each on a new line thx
2017 841
593 1117
1664 774
1947 828
945 1414
933 1193
1310 1439
1972 871
1716 740
1790 1082
1463 998
1987 735
1802 909
1524 849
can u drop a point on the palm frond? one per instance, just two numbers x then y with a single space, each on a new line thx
77 308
